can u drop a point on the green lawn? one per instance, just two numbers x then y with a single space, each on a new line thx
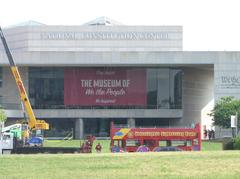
76 143
169 165
211 146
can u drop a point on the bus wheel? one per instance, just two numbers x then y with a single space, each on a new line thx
143 148
157 149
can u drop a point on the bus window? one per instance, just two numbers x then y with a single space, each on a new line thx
118 143
169 143
132 143
189 143
195 141
149 143
176 143
163 143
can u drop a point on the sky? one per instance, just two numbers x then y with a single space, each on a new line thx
208 25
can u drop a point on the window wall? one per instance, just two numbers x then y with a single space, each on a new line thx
163 88
46 87
1 76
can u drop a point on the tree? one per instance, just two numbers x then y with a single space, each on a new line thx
223 110
3 116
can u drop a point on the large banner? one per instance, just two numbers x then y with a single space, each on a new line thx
105 86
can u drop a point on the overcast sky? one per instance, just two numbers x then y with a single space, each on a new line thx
212 25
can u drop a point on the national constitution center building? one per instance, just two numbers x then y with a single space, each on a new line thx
80 78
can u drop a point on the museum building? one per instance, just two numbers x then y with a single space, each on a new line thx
81 78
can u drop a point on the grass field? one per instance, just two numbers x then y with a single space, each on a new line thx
210 163
76 143
211 146
169 165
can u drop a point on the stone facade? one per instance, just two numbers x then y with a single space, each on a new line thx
207 75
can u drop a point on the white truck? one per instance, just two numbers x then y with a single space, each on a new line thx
6 143
8 134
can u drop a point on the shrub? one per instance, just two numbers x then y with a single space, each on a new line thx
227 144
3 115
236 144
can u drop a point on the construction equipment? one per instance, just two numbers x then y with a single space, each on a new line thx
17 130
32 123
11 136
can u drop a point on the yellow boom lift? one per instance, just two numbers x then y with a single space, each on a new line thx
33 123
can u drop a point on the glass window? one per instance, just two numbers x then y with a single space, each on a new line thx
196 142
46 87
149 143
163 88
1 76
152 88
163 143
132 143
175 89
118 143
1 100
176 143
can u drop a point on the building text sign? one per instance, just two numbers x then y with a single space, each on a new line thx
165 134
230 81
104 36
103 86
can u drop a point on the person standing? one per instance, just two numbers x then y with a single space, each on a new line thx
98 148
209 134
213 134
205 133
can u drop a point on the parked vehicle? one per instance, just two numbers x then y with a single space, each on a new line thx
155 139
6 143
35 142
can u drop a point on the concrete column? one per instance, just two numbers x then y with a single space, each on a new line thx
131 122
79 128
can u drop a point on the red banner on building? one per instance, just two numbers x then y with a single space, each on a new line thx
105 86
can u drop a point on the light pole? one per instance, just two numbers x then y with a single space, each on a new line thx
236 118
0 142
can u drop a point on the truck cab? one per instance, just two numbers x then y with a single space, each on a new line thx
6 143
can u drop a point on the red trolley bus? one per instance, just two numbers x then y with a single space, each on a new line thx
155 139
